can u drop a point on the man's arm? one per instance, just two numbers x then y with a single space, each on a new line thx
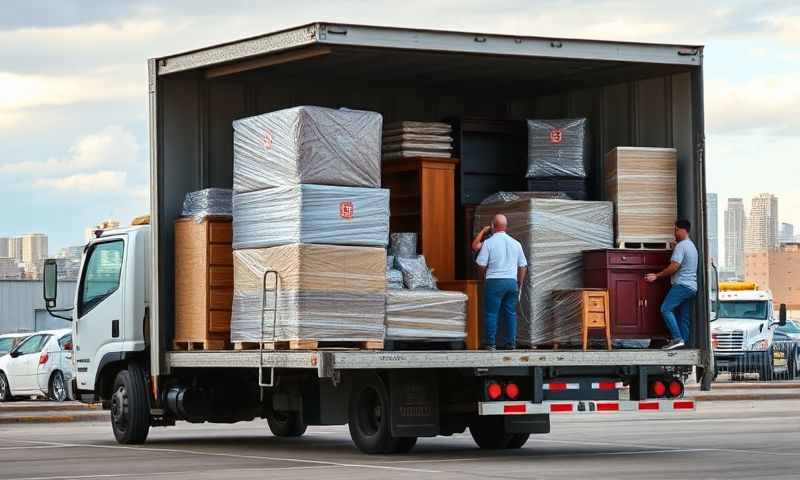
483 261
521 273
477 242
667 272
481 273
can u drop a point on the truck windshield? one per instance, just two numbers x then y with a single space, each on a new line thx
743 309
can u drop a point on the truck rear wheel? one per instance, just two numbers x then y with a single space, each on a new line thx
489 433
286 424
369 420
130 406
517 440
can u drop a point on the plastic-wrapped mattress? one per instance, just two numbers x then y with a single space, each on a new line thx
425 315
311 214
307 145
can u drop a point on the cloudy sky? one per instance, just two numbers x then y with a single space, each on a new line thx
73 111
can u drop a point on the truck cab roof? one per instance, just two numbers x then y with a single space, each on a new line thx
745 295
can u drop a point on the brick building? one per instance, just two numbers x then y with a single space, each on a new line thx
777 270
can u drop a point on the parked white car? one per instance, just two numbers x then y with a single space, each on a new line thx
41 365
10 340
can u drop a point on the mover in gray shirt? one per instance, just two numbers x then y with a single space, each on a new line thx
682 271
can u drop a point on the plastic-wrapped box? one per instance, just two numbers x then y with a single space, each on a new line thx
558 148
416 274
307 144
311 214
394 278
426 315
553 233
403 244
326 293
208 202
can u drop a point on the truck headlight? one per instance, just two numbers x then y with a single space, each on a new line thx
760 345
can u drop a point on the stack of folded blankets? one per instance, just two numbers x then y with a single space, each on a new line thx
307 205
415 309
417 139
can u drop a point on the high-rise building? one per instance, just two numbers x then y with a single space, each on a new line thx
712 227
776 270
15 248
762 225
34 247
786 234
10 268
734 236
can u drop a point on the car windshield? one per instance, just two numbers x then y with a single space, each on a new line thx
753 309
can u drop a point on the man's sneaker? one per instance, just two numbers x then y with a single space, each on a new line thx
672 345
509 346
490 348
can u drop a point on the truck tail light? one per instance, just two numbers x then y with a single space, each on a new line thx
43 358
493 390
657 388
512 391
675 388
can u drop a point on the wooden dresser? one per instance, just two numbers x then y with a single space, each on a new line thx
203 283
422 200
576 312
635 305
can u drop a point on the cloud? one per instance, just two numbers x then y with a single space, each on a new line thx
103 181
767 103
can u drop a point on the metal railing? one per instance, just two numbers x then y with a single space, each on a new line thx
781 362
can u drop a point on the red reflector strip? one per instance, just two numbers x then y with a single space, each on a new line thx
560 387
606 385
607 407
683 404
514 408
561 407
648 406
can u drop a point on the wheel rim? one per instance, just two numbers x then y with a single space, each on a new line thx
119 409
370 411
59 392
2 387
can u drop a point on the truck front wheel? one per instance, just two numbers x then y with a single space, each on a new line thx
286 424
130 406
369 420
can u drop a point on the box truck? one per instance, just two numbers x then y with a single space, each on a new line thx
633 94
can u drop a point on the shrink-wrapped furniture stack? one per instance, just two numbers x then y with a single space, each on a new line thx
417 139
558 156
307 205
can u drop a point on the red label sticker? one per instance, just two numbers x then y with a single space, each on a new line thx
346 209
268 139
555 135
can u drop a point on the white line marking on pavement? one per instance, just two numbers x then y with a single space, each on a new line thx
184 472
28 447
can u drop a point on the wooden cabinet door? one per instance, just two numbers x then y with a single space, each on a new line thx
653 295
625 312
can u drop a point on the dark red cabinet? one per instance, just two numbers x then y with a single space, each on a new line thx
635 303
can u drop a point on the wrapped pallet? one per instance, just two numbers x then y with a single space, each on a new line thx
208 202
425 315
553 233
311 214
642 183
307 145
326 293
558 148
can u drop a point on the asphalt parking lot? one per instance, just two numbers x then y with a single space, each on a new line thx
721 440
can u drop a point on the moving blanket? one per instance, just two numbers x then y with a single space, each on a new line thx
307 145
558 148
426 315
311 214
325 292
553 234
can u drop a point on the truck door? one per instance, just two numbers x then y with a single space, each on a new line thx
99 305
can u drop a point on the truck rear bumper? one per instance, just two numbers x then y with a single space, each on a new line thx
585 406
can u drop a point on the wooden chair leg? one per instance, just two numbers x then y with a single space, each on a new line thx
608 336
585 337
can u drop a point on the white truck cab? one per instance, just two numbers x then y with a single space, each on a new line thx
742 333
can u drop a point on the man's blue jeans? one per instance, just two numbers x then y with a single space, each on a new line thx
500 295
679 298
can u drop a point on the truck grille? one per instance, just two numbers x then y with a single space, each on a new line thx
728 341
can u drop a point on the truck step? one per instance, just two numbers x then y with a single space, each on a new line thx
414 345
644 245
200 345
311 345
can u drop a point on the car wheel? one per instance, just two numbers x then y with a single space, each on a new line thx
286 424
58 388
5 390
130 406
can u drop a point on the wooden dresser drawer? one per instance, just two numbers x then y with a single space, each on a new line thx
625 258
220 232
220 254
219 321
220 298
595 319
220 276
596 303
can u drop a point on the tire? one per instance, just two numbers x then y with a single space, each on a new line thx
57 390
5 389
489 433
517 440
286 424
368 414
765 370
130 406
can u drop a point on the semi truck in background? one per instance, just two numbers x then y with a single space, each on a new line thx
742 335
634 94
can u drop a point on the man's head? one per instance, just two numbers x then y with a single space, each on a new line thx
499 223
682 229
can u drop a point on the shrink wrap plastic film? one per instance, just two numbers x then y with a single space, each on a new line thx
326 292
564 325
207 202
416 274
403 244
553 233
307 145
311 214
425 315
394 278
558 148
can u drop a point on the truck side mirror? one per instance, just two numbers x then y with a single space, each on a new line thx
50 282
782 315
